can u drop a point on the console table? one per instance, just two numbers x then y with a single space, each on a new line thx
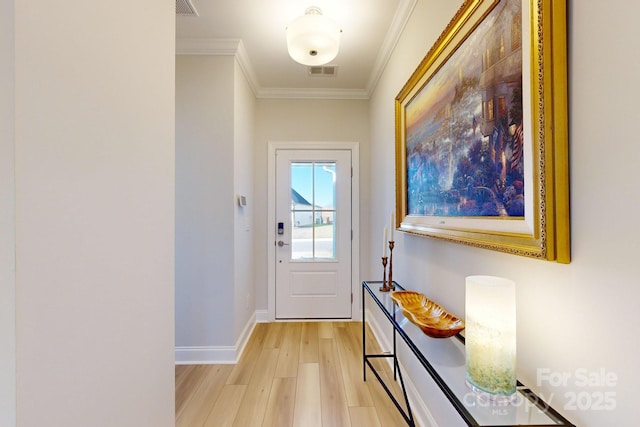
444 361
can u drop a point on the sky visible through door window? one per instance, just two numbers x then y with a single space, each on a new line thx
302 181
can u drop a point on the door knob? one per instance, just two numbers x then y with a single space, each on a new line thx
281 243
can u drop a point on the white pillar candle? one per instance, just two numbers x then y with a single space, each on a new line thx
384 243
393 226
490 336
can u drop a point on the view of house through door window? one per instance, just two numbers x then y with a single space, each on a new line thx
313 214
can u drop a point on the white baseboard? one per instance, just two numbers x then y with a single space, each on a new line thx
421 412
205 355
241 343
215 355
262 316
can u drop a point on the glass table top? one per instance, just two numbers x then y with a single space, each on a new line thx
444 358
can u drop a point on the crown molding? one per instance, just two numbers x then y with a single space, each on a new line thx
221 47
245 65
312 93
216 47
398 24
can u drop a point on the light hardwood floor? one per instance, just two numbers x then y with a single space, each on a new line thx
303 374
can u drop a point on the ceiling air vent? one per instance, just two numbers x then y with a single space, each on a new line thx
185 8
323 71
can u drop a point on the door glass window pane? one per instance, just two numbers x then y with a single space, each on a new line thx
325 237
313 196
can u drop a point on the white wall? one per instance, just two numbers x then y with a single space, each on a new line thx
205 200
299 120
7 222
94 170
215 298
244 128
575 316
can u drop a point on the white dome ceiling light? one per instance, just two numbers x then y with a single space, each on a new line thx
313 39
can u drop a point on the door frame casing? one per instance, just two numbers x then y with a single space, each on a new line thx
273 147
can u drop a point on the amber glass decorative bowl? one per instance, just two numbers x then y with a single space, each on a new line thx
433 320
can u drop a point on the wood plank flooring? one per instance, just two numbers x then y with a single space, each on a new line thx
304 374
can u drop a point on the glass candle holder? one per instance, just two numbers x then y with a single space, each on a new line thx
490 336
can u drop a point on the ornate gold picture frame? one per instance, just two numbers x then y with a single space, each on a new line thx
481 132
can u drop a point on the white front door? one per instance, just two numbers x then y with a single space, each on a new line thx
313 234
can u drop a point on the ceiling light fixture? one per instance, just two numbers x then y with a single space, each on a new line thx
313 39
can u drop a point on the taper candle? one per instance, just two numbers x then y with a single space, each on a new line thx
385 244
393 226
